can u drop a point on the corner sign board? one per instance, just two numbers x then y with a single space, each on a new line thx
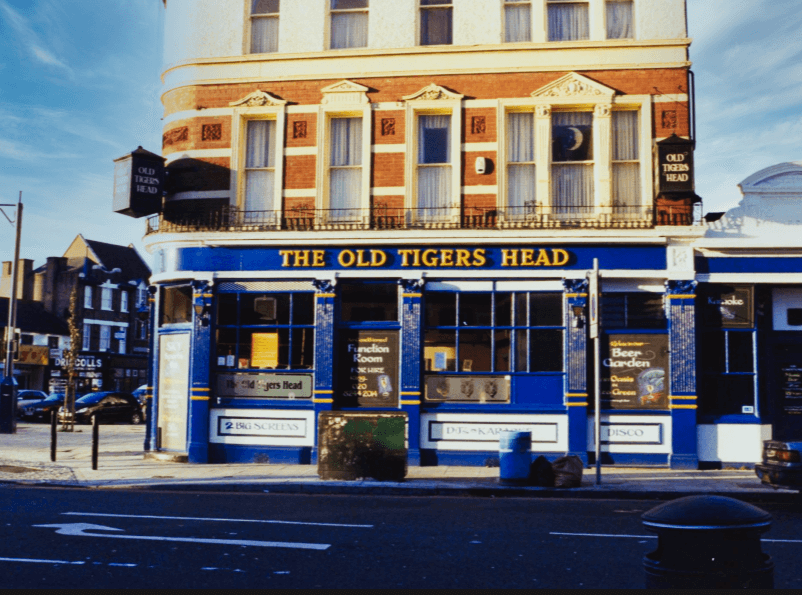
138 183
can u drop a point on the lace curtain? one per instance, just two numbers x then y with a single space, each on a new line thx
619 19
626 168
345 173
349 29
260 162
521 179
434 178
517 21
572 168
264 26
568 20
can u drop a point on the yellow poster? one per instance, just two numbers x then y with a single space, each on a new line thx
264 350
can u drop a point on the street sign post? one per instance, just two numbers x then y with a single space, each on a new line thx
593 333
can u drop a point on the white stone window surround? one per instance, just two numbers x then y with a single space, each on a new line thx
344 99
433 100
574 92
258 105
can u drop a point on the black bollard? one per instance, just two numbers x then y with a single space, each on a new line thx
708 542
95 435
53 434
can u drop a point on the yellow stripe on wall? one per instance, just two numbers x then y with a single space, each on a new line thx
682 406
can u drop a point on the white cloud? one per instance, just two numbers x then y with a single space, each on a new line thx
28 38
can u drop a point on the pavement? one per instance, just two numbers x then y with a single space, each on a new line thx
25 459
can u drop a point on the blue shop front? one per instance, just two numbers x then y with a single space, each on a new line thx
252 343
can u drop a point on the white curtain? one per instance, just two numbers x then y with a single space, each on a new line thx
568 20
572 183
436 23
518 21
619 19
521 180
349 30
260 161
626 169
434 181
345 173
264 35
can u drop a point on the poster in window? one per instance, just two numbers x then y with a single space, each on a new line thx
792 389
728 306
173 391
368 371
264 350
634 371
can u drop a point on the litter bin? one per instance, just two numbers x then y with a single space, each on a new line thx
8 405
708 542
514 457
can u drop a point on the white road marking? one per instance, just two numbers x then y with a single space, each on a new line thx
191 518
82 528
123 565
33 560
655 537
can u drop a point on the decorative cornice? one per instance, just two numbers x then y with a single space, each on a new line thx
259 99
345 92
574 85
432 92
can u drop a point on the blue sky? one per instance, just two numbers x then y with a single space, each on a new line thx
79 87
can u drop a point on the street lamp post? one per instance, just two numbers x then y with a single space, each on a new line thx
8 388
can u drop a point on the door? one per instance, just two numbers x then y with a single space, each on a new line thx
785 387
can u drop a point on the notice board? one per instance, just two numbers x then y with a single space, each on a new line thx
173 395
368 369
633 371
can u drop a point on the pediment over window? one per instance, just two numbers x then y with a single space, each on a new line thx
345 92
574 85
258 99
432 92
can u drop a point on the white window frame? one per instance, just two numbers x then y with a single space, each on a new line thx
421 8
250 19
107 299
342 100
330 20
436 101
88 296
105 338
123 301
573 92
259 105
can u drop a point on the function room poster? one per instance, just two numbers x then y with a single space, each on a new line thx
368 370
634 369
173 396
264 350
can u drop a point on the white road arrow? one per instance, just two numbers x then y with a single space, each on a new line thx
83 528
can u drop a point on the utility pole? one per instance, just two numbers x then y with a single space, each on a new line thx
8 388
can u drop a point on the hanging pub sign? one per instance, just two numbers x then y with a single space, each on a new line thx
675 165
634 370
138 183
728 306
368 370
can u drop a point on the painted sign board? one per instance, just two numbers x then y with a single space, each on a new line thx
489 431
634 370
621 433
728 306
368 370
138 183
675 165
265 386
173 393
792 389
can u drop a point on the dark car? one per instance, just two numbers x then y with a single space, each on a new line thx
107 407
782 464
40 410
26 398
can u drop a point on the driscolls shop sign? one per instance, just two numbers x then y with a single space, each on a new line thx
520 257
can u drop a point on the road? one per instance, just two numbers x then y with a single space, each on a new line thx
75 538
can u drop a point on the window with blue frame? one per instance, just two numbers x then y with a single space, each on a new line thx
633 310
368 302
256 331
726 365
493 332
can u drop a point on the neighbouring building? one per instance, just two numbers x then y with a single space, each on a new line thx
392 205
111 310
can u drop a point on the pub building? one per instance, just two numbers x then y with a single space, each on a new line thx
400 214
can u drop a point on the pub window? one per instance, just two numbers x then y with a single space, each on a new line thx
264 26
257 331
726 366
368 302
345 169
517 20
568 20
176 306
521 178
260 171
619 19
626 165
436 18
434 167
572 163
349 24
633 311
493 332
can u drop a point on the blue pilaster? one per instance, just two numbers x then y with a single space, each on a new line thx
411 364
682 363
150 410
576 366
323 398
198 439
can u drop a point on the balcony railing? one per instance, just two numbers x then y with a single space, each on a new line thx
231 219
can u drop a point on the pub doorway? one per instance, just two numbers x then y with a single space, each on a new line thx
784 384
367 340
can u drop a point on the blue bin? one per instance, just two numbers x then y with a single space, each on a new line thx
514 457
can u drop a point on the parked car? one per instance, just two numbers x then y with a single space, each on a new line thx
107 407
782 464
140 394
26 398
40 410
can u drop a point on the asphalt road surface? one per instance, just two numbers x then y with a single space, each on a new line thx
75 538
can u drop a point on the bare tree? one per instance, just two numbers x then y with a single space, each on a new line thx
70 360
